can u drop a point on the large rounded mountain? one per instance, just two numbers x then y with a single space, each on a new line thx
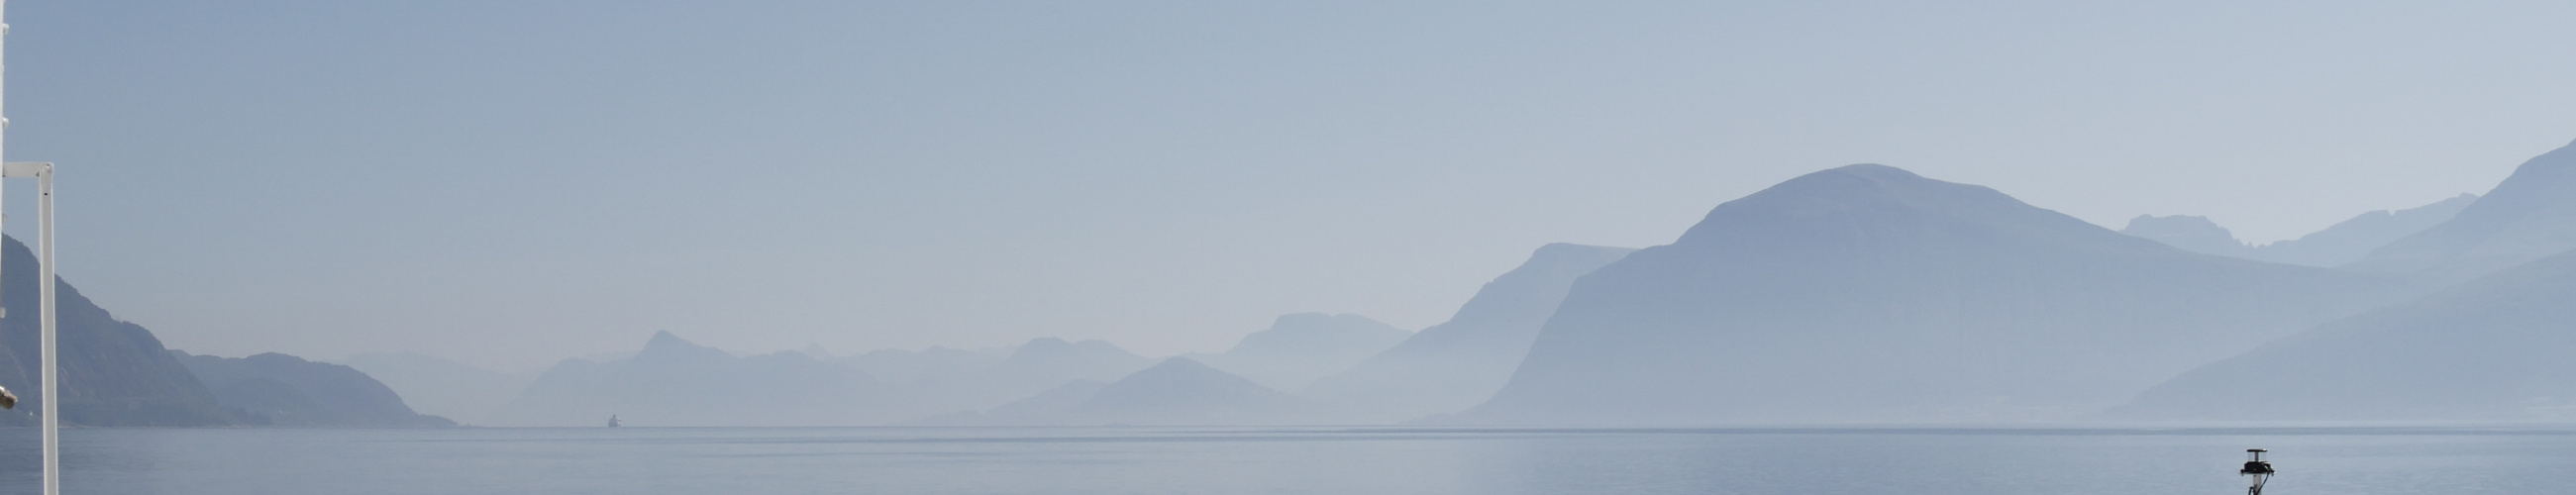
1870 294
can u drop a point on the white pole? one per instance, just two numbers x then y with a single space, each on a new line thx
45 275
51 392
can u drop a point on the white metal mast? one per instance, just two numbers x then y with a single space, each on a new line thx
44 174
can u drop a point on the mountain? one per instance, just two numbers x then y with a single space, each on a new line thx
673 382
2495 348
2337 245
1459 363
2191 233
2531 215
1870 294
283 390
114 373
1180 391
1299 348
2355 239
441 387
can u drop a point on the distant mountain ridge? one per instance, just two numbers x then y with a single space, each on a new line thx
1868 293
673 382
1299 348
2338 245
2354 239
2191 233
2531 215
1179 391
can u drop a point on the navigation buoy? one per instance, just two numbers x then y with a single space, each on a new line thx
2256 468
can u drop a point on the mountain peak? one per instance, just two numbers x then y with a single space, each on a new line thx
667 347
2190 232
1183 391
1181 366
1875 171
1307 334
1299 348
1857 206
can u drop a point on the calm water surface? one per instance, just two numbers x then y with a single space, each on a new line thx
1292 461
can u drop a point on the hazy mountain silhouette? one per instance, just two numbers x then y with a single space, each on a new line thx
1461 362
1867 293
1180 391
1299 348
114 373
673 382
2191 233
437 386
2494 348
2531 215
283 390
2337 245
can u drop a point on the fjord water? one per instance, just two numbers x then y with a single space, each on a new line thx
1292 461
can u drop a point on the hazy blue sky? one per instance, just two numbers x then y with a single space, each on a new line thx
510 183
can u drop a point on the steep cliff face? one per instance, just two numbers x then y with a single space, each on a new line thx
1459 363
114 373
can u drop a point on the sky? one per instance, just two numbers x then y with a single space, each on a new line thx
513 183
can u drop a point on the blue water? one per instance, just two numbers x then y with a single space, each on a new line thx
1292 461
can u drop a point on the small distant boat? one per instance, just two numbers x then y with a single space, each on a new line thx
613 422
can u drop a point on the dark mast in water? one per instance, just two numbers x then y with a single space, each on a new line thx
2258 469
